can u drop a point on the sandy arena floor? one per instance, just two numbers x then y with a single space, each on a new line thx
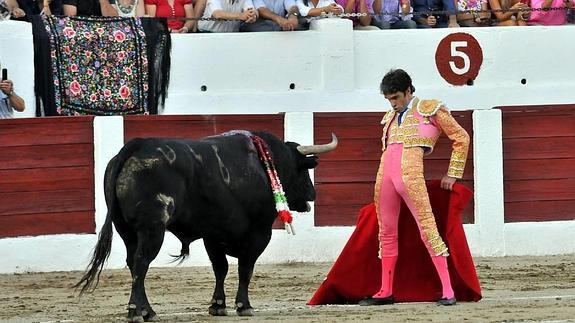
514 289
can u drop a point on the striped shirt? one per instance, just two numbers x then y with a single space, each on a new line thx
6 111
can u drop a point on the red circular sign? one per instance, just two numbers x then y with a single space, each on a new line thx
458 58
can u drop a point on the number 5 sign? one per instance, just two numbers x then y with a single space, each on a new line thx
458 58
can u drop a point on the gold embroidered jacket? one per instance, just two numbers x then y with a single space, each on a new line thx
423 123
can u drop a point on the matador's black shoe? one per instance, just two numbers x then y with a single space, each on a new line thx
447 301
370 301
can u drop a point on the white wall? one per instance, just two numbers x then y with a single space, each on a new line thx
337 70
334 69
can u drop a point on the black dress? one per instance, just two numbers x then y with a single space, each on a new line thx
34 7
86 7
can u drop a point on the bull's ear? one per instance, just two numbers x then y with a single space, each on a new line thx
308 162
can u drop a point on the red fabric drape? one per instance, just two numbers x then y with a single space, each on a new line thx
356 274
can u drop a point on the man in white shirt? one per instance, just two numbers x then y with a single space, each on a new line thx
236 11
314 8
9 100
274 15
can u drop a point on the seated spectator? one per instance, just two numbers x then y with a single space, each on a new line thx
314 8
241 10
9 100
481 18
199 8
89 8
181 9
359 6
36 7
549 17
513 17
274 15
130 8
13 9
403 19
426 20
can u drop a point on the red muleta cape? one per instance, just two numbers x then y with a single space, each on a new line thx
356 274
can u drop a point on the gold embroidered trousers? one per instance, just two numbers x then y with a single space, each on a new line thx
401 177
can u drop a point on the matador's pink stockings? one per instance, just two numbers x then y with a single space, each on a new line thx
440 263
387 271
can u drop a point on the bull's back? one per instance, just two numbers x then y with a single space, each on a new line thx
202 175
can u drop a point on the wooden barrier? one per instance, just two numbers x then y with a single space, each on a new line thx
46 176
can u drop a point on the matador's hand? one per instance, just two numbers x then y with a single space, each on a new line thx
447 182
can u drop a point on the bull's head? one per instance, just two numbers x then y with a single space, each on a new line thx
300 189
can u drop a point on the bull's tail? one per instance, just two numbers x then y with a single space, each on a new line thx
101 254
104 245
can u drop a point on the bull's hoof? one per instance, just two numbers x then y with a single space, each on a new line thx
149 315
136 319
244 310
216 310
134 314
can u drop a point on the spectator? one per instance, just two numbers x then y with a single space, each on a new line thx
314 8
402 19
199 8
547 17
14 9
426 20
359 6
240 10
175 13
513 17
9 100
479 15
130 8
274 15
36 7
89 8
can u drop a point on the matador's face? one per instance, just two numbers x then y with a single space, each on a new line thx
399 100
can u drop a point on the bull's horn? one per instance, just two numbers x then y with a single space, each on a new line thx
318 149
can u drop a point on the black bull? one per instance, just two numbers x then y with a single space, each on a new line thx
215 189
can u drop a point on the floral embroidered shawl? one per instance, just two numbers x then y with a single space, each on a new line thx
100 65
